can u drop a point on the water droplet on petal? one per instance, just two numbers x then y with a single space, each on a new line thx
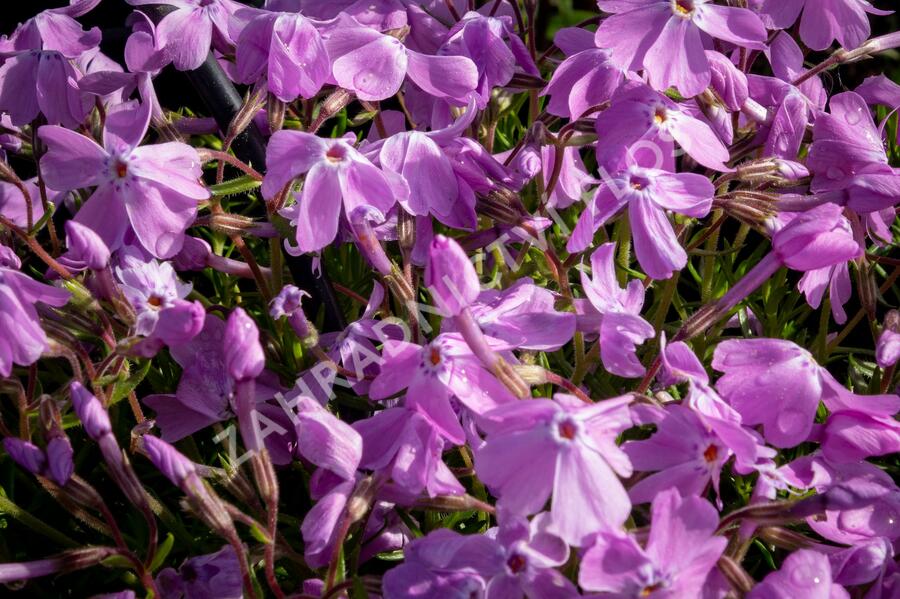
362 80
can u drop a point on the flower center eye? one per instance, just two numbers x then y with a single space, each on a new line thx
638 182
516 563
567 430
660 116
435 357
683 8
711 453
188 573
155 301
335 153
121 169
650 589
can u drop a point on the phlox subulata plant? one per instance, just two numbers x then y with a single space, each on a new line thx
450 298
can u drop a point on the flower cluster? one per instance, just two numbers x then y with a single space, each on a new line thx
413 300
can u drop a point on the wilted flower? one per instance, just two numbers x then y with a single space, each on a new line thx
887 349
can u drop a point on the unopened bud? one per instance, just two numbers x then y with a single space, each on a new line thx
194 254
85 246
288 304
80 491
244 357
333 104
866 287
183 474
68 561
735 574
399 286
454 503
500 205
264 475
26 454
275 113
877 44
366 240
784 538
752 208
774 171
507 375
90 411
406 232
234 224
245 114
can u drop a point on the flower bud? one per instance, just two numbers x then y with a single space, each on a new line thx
26 454
60 465
244 358
168 460
752 208
235 224
784 538
68 561
791 170
288 303
877 44
8 258
729 83
275 113
366 241
499 205
194 254
180 323
887 351
736 576
450 277
90 411
85 246
183 474
815 239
